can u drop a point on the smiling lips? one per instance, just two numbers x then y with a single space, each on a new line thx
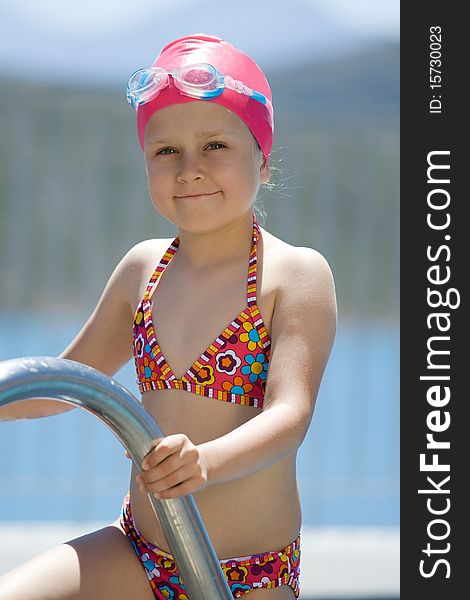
197 195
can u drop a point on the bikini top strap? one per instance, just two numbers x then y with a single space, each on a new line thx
168 255
252 266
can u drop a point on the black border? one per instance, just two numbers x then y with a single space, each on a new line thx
421 133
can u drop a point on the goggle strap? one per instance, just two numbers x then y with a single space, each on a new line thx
237 86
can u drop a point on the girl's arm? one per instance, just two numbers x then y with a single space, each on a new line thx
302 334
104 342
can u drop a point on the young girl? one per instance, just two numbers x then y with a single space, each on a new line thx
230 328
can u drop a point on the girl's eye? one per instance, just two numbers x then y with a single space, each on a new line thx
164 153
217 144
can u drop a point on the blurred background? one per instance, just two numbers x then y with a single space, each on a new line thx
73 200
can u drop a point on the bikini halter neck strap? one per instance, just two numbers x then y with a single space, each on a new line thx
252 267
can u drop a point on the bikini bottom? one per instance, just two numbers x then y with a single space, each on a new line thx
267 570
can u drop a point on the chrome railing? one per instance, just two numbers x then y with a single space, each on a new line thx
118 409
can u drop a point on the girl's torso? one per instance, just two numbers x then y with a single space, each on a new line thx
187 313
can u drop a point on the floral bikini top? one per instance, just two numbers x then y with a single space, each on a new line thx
233 368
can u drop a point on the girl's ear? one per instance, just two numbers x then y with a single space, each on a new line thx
264 172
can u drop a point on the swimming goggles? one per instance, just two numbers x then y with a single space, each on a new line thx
201 80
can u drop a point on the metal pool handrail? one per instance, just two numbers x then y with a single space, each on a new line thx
87 388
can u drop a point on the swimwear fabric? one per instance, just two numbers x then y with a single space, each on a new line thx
268 570
233 368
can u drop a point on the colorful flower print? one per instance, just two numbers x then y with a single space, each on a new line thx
138 317
168 564
235 573
285 568
265 566
205 375
238 590
147 368
168 592
232 339
251 337
175 580
237 387
257 367
150 565
227 362
139 345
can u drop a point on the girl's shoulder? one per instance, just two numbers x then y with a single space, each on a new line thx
293 260
139 262
147 250
305 297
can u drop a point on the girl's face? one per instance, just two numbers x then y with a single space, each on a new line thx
201 148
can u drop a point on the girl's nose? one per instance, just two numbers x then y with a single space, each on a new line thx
190 169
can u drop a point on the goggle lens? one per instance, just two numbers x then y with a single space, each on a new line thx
143 84
199 76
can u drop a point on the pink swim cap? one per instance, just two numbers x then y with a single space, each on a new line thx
229 60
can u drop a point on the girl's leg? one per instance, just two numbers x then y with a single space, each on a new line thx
100 565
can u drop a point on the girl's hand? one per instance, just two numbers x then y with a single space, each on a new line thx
174 467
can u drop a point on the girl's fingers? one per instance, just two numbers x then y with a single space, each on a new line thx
176 492
165 447
170 465
186 479
173 467
184 475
